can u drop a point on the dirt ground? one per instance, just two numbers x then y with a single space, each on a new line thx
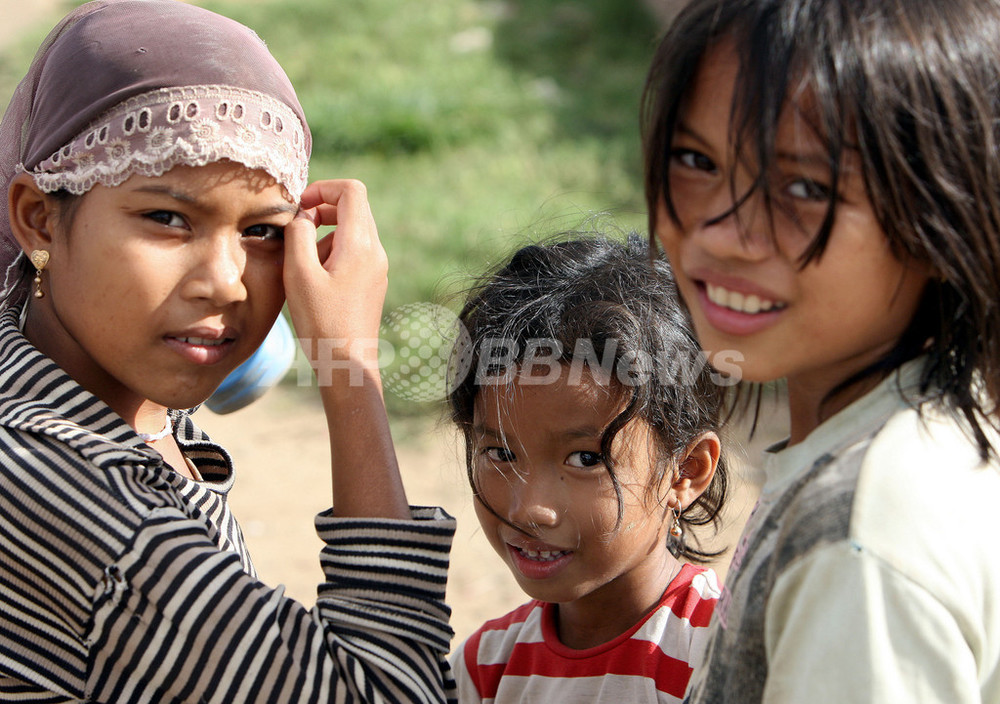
280 450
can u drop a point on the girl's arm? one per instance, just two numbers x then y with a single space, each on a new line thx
335 291
179 620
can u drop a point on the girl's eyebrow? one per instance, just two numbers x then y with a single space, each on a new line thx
180 196
275 210
820 161
817 159
585 432
166 191
683 128
484 431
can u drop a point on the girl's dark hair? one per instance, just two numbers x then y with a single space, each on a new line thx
616 307
911 86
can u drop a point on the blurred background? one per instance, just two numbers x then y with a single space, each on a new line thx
476 125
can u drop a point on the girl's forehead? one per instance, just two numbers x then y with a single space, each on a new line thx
190 180
726 80
560 395
219 189
718 70
717 96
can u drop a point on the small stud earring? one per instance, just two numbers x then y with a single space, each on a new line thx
675 526
39 258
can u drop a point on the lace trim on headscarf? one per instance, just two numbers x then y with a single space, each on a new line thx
152 132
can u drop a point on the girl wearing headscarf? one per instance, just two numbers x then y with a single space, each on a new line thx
155 160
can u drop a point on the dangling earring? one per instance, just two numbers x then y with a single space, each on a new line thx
675 527
39 258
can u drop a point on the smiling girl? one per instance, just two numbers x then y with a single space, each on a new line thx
588 465
823 177
155 160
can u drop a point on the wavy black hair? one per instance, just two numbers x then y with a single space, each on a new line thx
599 290
912 87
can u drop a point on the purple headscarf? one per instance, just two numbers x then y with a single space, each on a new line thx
138 86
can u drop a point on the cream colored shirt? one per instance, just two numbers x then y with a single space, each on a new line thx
870 569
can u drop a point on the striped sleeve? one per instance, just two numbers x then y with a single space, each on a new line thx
177 620
122 581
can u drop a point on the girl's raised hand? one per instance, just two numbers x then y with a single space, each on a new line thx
335 288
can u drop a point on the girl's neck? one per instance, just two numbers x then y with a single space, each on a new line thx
815 395
604 615
811 405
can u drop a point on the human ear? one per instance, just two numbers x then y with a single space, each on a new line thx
33 214
696 468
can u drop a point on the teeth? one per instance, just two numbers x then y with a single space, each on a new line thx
543 555
203 342
739 302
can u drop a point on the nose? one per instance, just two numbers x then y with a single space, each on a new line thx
740 228
216 271
534 501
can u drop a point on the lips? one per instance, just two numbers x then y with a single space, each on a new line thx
749 303
536 563
542 555
203 341
737 310
208 346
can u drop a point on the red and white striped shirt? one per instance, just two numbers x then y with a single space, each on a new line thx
518 657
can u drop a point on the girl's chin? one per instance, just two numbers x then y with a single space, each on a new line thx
184 398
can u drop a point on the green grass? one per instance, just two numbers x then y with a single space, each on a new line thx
475 124
467 151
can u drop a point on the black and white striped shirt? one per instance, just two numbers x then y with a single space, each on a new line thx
123 581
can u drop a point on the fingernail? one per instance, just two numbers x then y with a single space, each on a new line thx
307 214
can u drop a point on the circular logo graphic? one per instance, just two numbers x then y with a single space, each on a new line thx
425 352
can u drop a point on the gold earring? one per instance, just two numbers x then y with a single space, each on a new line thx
675 526
39 258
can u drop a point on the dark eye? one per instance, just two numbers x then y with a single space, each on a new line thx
807 189
691 159
167 218
499 454
265 232
584 459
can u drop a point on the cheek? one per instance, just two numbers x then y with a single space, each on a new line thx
487 519
667 231
691 204
667 238
594 506
640 503
264 272
263 279
86 279
493 489
670 237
